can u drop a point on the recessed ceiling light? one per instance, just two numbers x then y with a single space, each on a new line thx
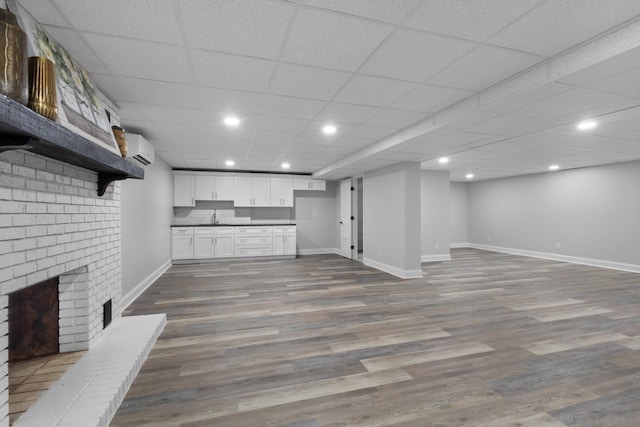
586 125
231 121
469 176
229 163
443 160
554 167
329 129
285 165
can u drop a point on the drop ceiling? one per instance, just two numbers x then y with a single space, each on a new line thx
496 85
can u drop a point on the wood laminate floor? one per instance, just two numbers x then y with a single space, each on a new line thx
487 339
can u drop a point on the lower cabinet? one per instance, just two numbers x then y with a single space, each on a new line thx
284 240
228 242
182 243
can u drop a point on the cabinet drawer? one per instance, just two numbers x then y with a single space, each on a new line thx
203 230
254 251
284 228
223 230
181 230
253 239
253 230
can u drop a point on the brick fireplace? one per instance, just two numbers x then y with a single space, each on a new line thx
53 224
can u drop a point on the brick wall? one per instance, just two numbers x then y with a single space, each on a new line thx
52 223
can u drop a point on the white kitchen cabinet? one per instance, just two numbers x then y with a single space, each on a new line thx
253 241
184 190
182 243
213 187
213 242
252 191
284 240
282 192
309 184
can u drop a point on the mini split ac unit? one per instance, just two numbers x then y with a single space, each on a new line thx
139 149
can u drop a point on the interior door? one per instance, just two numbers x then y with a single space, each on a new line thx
345 218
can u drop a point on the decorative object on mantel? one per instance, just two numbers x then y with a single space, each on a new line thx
80 108
121 139
13 58
42 87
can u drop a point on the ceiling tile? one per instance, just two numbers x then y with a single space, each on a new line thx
124 18
484 67
505 124
45 12
174 115
281 124
307 82
148 91
231 71
395 118
527 98
372 133
244 27
430 99
332 41
469 19
411 55
257 103
557 25
604 70
134 58
337 112
373 91
391 11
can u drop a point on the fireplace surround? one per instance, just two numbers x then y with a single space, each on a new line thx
53 223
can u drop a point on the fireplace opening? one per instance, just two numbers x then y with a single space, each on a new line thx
33 321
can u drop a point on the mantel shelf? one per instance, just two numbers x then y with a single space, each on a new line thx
22 128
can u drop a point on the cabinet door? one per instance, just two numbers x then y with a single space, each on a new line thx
290 243
276 192
204 189
182 247
278 243
183 190
317 184
203 246
223 189
243 191
224 246
261 192
300 183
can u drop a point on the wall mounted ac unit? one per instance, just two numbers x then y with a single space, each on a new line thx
139 149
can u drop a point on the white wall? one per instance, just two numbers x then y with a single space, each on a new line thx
392 219
316 220
591 213
147 212
459 213
435 235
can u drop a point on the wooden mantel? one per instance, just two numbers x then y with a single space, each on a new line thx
24 129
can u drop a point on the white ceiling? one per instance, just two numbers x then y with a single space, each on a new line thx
495 85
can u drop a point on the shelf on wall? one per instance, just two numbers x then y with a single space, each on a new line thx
23 129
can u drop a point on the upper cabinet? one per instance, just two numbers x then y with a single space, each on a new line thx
309 184
183 190
282 192
213 187
252 191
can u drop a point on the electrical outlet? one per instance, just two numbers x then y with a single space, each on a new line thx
488 238
557 245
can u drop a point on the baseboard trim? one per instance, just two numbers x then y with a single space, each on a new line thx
563 258
395 271
459 245
318 251
435 258
142 286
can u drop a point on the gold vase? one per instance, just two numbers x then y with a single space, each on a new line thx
13 58
121 139
42 87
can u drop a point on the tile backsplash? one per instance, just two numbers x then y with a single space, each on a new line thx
226 213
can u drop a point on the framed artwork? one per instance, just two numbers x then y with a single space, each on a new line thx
79 107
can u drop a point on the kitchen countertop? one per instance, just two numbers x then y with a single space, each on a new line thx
235 225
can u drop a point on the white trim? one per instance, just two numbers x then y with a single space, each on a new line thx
435 258
459 245
403 274
134 293
318 251
563 258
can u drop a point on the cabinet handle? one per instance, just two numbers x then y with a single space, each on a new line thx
191 241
